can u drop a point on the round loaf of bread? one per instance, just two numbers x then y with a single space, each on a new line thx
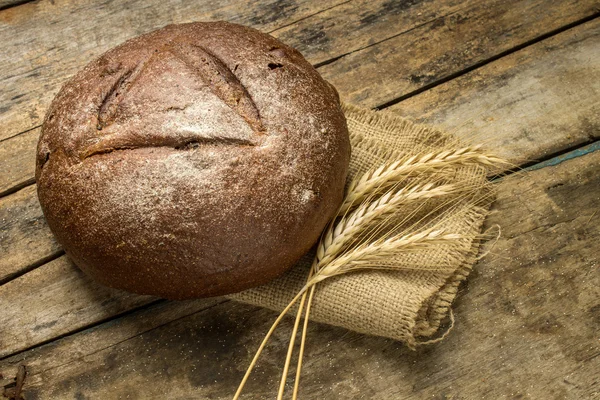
197 160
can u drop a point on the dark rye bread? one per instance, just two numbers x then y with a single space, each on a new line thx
197 160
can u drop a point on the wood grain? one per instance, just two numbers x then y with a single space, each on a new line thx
112 332
25 238
17 158
356 24
55 299
525 106
526 325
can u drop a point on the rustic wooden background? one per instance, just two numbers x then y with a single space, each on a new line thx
522 75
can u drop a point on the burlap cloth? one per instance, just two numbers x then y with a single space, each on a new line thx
406 304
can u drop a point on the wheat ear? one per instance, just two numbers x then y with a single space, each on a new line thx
356 259
388 174
364 256
338 235
349 227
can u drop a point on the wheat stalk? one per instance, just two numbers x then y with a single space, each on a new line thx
302 342
283 313
371 204
356 259
358 219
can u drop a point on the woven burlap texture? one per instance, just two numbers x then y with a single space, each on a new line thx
408 304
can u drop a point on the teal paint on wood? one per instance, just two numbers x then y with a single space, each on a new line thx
582 151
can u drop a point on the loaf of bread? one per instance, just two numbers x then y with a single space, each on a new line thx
197 160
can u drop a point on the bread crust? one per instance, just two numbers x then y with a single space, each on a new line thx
197 160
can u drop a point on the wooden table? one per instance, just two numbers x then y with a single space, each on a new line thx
523 76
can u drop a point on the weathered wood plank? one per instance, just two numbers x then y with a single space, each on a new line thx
532 103
114 331
17 161
356 24
25 239
459 39
55 299
433 52
526 325
575 115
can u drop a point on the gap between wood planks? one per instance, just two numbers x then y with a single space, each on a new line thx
336 58
32 266
486 61
16 188
88 326
553 159
6 4
123 314
308 16
562 156
20 133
